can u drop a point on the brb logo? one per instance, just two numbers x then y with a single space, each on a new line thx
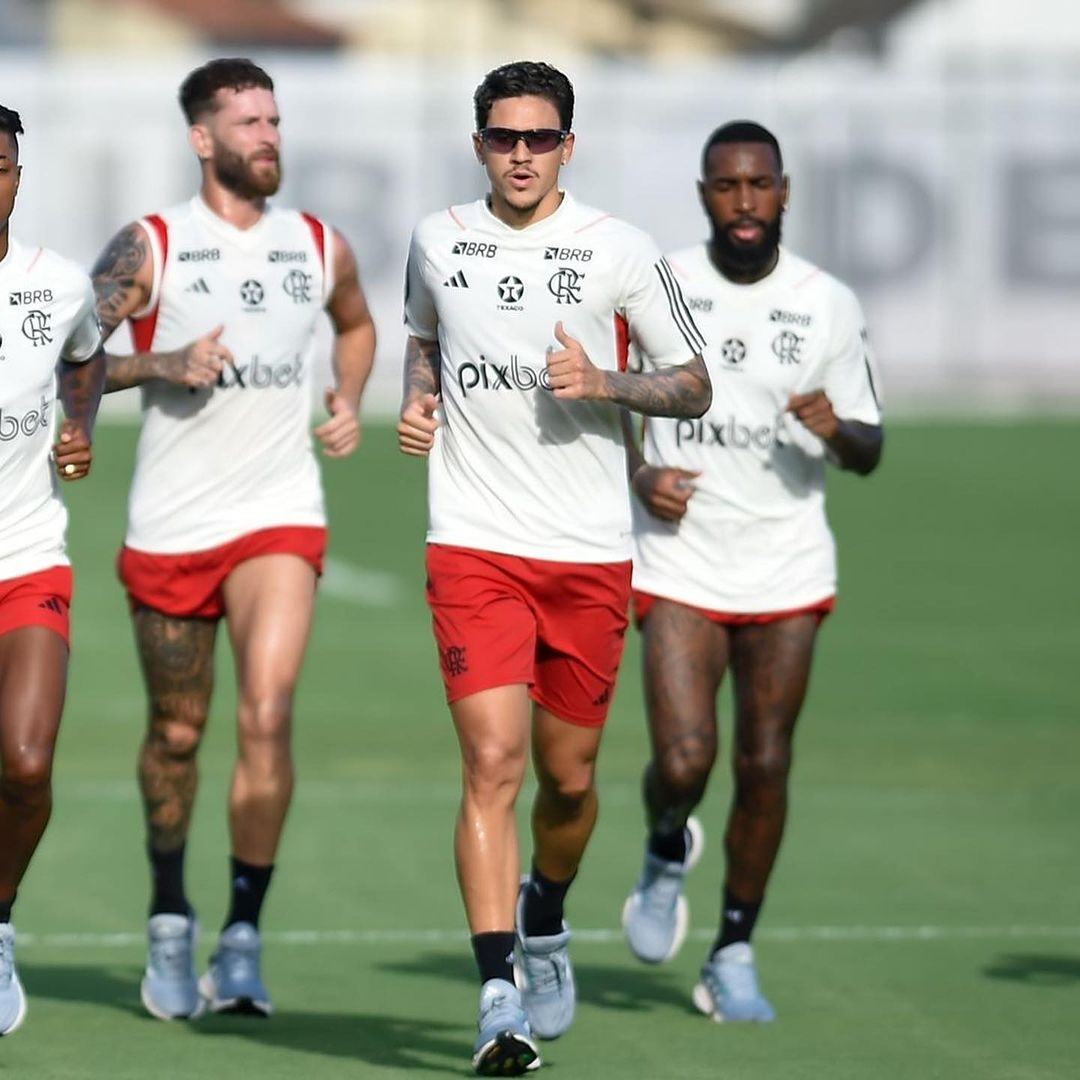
568 254
729 434
259 376
513 376
37 328
475 248
27 424
565 285
297 284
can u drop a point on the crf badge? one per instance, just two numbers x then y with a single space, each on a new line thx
297 284
565 285
37 327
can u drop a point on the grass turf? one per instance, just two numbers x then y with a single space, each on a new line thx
923 920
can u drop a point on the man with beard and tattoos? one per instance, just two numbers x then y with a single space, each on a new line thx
734 562
50 350
226 515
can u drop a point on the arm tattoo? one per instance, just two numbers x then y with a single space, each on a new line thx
80 387
114 276
423 368
680 391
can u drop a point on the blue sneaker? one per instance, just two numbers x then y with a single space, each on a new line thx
12 995
656 916
505 1045
546 977
169 987
728 990
233 982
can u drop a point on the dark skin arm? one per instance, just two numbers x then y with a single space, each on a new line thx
417 425
852 445
684 390
663 491
79 389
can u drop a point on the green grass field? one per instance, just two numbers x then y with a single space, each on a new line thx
924 921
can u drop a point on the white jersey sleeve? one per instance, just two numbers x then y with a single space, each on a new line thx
421 319
849 377
662 330
84 340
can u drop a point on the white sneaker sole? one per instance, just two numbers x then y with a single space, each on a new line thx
160 1014
20 1016
705 1003
240 1005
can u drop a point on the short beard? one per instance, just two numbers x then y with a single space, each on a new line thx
235 175
743 260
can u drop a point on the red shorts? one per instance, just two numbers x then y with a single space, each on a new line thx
557 627
39 599
643 603
190 586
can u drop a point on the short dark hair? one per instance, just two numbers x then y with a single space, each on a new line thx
11 122
525 78
198 90
741 131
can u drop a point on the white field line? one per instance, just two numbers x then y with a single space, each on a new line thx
357 585
796 934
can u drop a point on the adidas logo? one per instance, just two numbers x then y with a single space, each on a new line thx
604 698
199 286
53 604
456 281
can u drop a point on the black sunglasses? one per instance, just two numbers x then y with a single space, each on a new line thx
538 140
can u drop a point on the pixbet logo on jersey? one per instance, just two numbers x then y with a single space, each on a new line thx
512 376
27 424
728 434
259 376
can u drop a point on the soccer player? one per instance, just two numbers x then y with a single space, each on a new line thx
519 307
50 348
226 515
734 563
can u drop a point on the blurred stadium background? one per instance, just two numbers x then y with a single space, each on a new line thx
923 923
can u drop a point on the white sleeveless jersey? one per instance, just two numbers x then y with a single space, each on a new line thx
513 469
46 315
755 537
215 463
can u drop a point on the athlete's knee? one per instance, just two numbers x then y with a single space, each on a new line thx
176 729
764 766
569 786
265 717
491 768
27 776
683 767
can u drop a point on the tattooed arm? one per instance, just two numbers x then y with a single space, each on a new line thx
681 391
417 426
123 279
79 388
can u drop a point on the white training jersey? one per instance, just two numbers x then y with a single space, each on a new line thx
214 463
514 469
46 315
755 537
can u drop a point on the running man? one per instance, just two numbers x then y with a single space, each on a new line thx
734 562
226 515
519 308
50 349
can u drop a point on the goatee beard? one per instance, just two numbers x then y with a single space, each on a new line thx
744 259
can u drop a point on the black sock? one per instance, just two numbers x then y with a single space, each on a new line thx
249 885
738 921
167 872
5 909
543 907
494 952
671 847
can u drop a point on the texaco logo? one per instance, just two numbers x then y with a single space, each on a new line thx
511 289
251 292
787 345
565 285
733 351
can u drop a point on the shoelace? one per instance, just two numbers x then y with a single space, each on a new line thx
546 973
240 966
171 957
739 981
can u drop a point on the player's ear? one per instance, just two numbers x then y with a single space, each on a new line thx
785 191
478 147
568 148
200 141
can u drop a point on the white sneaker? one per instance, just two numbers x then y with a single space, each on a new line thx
12 995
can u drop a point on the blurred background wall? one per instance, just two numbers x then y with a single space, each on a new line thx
933 144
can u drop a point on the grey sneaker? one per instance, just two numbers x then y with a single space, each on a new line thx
12 995
656 915
546 977
729 989
233 983
169 988
505 1046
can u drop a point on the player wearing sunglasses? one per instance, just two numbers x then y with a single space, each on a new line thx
520 308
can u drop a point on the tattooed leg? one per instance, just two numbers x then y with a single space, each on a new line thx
684 659
771 668
177 658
